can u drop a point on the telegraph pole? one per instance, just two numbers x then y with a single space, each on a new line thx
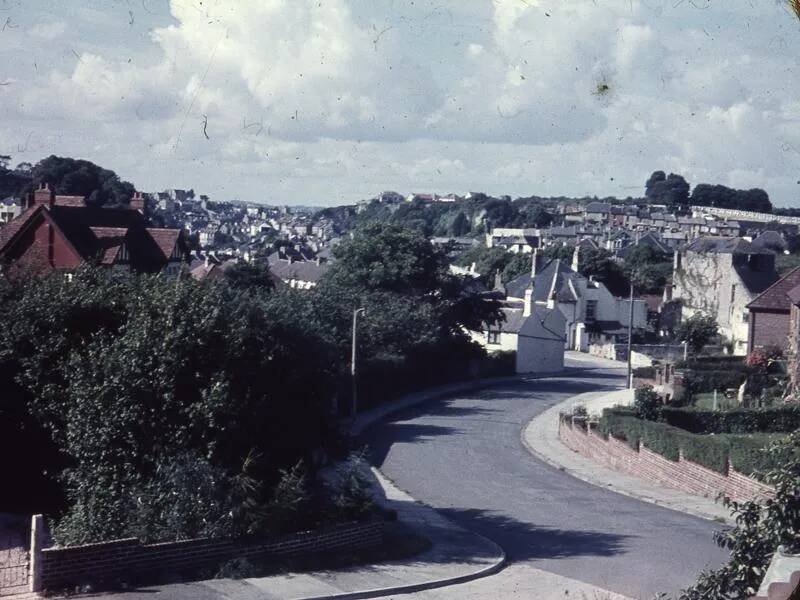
630 339
354 408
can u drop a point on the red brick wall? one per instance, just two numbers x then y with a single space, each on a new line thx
109 561
769 329
682 475
34 252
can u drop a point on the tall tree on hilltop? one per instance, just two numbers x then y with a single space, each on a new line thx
672 190
74 177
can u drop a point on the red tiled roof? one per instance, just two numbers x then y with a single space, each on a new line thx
165 239
98 233
70 201
776 296
10 229
109 241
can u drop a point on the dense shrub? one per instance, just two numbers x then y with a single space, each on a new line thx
644 372
699 382
761 527
711 451
711 362
647 403
145 396
777 419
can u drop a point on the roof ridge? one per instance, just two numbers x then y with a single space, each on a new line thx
780 280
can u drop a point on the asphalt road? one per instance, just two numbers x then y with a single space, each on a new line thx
463 456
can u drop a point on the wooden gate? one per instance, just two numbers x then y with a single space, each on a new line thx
13 559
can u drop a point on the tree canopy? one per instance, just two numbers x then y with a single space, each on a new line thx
672 190
724 197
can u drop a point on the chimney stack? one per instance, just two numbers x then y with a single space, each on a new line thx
534 262
551 301
575 257
137 202
526 310
44 195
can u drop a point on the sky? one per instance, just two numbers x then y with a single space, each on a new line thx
325 102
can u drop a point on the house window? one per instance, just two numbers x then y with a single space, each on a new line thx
493 337
733 293
591 311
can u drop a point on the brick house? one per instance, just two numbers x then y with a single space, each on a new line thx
770 313
57 232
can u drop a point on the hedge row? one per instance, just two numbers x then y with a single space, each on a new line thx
711 362
777 419
711 451
698 382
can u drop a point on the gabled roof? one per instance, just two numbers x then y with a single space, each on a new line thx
776 297
598 207
555 275
770 240
543 323
300 271
97 233
723 245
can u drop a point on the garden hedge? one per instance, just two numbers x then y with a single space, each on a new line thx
698 382
711 451
777 419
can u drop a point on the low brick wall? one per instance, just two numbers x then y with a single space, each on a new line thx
683 475
119 559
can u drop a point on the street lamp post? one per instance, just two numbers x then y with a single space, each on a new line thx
354 407
630 339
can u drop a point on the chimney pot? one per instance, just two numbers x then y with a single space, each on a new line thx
43 195
526 311
137 202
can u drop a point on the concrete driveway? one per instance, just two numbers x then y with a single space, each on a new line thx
463 456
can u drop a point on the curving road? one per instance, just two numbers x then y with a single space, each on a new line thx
463 456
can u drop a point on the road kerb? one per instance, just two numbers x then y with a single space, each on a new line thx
600 476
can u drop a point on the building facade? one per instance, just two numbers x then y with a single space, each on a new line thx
720 277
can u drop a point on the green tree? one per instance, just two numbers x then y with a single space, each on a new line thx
534 215
672 190
460 225
247 276
724 197
123 373
520 264
697 331
600 264
76 177
648 268
487 260
761 526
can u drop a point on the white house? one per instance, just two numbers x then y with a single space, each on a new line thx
534 332
10 209
590 310
719 277
512 239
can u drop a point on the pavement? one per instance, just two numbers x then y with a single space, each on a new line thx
456 555
541 439
463 456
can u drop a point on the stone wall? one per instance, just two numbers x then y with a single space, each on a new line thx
128 558
683 474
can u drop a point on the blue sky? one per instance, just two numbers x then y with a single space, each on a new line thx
330 101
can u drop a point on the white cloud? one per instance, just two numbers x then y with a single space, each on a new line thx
336 100
48 31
